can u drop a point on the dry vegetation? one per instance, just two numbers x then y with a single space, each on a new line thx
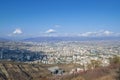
103 73
23 71
20 71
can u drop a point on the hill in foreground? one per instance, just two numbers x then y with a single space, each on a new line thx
22 71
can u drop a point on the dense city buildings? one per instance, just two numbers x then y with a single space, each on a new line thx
60 52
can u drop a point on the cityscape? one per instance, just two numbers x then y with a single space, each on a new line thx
59 39
53 53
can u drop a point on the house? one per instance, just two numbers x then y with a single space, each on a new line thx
56 70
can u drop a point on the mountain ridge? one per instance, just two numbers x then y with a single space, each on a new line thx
42 39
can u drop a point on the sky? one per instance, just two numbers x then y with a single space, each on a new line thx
33 18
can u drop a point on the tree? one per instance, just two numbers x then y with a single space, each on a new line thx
94 64
115 60
118 74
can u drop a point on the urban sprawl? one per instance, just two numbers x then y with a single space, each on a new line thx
62 52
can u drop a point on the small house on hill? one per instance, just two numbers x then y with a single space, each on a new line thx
56 70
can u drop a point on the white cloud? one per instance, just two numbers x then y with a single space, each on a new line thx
17 31
108 32
50 31
88 34
98 33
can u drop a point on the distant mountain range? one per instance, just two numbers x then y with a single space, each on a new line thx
46 39
55 39
3 39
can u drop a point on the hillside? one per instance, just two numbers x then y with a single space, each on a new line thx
111 72
22 71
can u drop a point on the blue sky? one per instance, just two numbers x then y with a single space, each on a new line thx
31 18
